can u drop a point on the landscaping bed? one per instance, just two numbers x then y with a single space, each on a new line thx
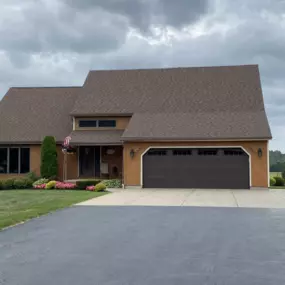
20 205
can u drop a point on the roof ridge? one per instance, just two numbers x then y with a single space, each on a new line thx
174 68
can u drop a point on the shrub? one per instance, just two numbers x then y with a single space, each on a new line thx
23 183
40 182
65 186
82 184
279 181
90 188
40 186
272 181
113 183
32 176
49 166
8 184
51 185
1 185
283 174
100 187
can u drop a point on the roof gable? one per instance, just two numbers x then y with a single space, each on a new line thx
201 89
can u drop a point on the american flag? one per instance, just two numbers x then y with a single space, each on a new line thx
66 141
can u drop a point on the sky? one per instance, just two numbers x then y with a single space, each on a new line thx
56 42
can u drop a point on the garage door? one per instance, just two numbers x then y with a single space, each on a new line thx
196 168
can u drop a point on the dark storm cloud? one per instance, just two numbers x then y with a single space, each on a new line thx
56 42
143 13
39 28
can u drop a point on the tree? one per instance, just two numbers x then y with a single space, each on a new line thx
49 166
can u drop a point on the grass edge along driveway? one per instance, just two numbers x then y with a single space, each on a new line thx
20 205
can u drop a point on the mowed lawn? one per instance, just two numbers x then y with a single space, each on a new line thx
20 205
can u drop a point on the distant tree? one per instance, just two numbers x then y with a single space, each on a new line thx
276 156
49 165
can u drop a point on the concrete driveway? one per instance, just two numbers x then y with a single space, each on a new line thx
146 246
202 198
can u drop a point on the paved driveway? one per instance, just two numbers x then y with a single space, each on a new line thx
178 197
146 245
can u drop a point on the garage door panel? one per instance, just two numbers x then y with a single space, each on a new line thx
192 170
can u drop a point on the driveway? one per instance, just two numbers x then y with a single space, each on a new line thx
146 245
202 198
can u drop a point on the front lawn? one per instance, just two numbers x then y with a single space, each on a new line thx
277 187
20 205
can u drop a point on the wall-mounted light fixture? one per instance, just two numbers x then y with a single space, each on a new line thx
132 153
259 152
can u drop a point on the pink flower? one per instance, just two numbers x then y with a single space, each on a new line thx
90 188
65 186
41 186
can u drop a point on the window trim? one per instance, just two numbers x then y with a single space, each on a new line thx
19 159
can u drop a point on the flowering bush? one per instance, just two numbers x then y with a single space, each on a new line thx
51 184
40 182
40 186
90 188
65 186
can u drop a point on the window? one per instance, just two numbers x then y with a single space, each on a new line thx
107 123
157 152
25 160
233 152
182 152
207 152
88 123
3 160
14 160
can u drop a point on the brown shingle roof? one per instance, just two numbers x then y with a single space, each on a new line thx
96 137
27 115
201 89
198 126
175 103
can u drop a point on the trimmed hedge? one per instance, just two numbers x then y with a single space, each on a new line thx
8 184
82 184
49 165
113 183
272 181
279 181
23 183
100 187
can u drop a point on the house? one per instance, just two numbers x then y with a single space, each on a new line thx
203 127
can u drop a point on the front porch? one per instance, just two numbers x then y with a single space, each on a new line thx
104 162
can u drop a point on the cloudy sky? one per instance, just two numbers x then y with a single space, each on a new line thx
56 42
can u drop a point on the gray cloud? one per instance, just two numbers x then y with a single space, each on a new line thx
56 42
143 13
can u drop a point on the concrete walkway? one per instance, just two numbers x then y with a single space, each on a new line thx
203 198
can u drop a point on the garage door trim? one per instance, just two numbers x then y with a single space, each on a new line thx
197 146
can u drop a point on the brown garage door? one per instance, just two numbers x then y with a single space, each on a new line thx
196 168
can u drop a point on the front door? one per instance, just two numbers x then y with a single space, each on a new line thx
87 165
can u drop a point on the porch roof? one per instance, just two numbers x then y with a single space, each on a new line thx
96 137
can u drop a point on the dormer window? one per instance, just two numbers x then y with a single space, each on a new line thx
88 123
107 123
97 123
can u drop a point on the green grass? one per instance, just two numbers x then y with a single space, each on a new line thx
19 205
277 187
275 174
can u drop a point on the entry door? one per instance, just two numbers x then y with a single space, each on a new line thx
87 165
196 168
